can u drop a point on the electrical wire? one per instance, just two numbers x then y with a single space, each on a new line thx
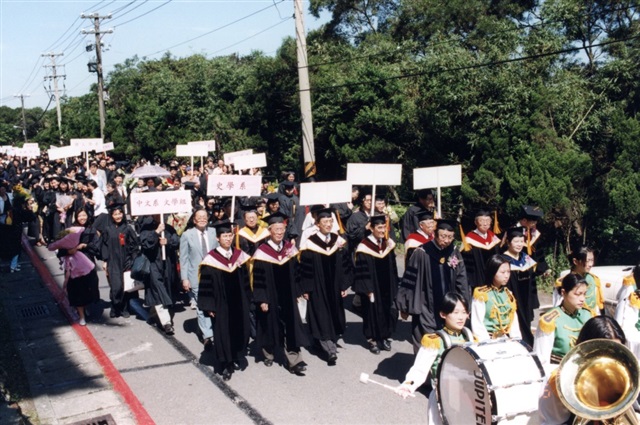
128 11
146 13
251 36
213 30
476 66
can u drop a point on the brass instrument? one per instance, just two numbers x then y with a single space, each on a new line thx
598 381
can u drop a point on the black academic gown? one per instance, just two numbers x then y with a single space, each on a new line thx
274 283
476 257
290 206
249 241
119 246
325 271
409 223
376 271
522 283
161 283
224 290
428 277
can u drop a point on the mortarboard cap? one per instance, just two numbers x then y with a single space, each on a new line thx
287 184
424 215
515 232
378 219
323 213
531 213
449 225
423 193
223 226
274 218
273 198
482 213
115 205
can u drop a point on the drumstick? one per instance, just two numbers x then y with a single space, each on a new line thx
364 378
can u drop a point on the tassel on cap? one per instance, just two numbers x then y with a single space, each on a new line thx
496 227
465 245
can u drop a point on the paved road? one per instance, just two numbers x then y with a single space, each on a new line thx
173 377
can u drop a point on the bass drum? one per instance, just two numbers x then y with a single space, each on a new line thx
493 382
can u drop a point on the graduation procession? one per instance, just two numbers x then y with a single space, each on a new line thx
291 276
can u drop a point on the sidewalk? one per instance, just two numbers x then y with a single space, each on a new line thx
67 383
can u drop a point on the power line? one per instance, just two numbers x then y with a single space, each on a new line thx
146 13
32 75
128 11
213 30
118 10
252 36
451 41
476 66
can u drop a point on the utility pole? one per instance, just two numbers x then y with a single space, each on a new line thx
54 76
24 118
96 30
308 149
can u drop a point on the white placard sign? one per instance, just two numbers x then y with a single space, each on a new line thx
6 149
431 177
191 150
87 145
257 160
229 158
30 145
233 185
29 152
374 174
325 193
161 202
106 147
63 152
210 144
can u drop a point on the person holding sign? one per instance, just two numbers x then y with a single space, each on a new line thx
276 293
376 280
433 270
325 275
224 295
159 287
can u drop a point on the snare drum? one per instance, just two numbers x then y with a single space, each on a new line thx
494 382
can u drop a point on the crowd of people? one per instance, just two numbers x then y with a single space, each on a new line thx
278 272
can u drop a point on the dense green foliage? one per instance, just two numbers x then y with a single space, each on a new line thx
498 86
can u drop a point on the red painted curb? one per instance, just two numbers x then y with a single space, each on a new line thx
110 371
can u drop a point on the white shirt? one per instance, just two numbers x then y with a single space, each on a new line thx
275 246
99 207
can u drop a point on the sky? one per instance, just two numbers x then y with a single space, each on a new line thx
29 28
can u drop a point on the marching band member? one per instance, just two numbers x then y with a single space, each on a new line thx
493 309
558 329
455 312
628 311
551 409
582 261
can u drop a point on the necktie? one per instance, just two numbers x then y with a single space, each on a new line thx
328 239
204 244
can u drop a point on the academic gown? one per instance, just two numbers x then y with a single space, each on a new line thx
251 239
274 283
429 275
522 283
290 206
224 290
161 284
119 247
376 271
475 259
356 230
325 271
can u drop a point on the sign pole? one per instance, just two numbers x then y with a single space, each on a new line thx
233 207
373 199
164 251
439 202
